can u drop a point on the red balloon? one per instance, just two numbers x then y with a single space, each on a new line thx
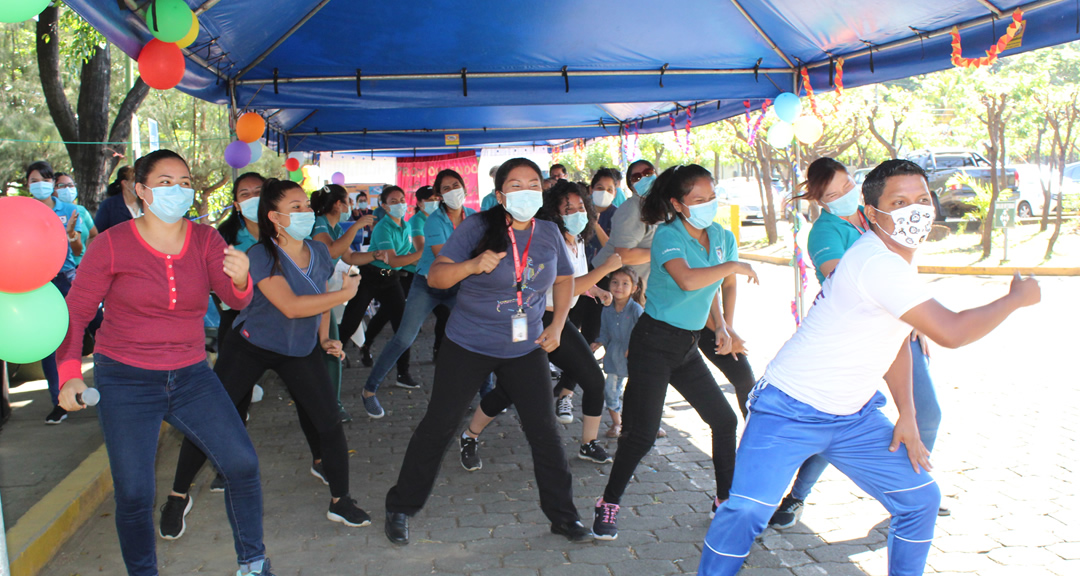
33 244
161 64
292 164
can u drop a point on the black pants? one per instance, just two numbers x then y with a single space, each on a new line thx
227 319
442 314
458 376
738 372
387 290
661 354
308 383
586 316
573 357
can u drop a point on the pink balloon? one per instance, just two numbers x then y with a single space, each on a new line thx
338 178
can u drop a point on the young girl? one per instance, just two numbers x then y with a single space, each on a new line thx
616 323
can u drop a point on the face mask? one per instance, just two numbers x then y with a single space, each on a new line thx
575 223
68 194
397 210
300 224
523 204
41 190
430 207
455 198
250 208
845 205
361 205
602 198
642 187
702 215
911 224
171 203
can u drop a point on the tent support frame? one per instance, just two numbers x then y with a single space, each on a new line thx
762 33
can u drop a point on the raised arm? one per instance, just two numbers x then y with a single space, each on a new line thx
955 329
690 279
277 291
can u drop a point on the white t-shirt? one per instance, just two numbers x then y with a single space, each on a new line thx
580 266
837 359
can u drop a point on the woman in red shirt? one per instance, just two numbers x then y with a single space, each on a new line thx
154 275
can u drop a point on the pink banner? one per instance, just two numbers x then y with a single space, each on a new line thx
413 173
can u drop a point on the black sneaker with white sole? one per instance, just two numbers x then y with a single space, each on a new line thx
218 483
406 381
787 514
470 459
594 452
605 524
347 512
317 471
173 512
573 531
57 415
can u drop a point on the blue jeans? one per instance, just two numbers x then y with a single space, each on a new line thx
927 417
134 401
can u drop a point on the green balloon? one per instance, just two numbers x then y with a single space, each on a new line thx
13 11
297 176
34 324
173 20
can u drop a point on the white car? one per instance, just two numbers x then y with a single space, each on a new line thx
1031 179
744 192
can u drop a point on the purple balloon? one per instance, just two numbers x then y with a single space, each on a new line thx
338 178
238 154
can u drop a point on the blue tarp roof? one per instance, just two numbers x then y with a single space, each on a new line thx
410 58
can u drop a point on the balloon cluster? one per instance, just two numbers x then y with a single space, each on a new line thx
306 175
174 26
33 247
246 149
792 125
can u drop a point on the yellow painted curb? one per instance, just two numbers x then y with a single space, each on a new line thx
946 270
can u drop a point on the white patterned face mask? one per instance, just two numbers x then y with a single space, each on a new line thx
911 224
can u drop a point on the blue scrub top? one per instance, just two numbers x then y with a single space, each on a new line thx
664 300
829 238
63 210
489 202
244 240
437 231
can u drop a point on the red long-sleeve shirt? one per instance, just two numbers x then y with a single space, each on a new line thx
154 302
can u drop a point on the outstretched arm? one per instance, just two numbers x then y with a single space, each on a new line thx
955 329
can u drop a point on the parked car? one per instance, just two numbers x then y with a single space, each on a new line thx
744 192
1072 183
951 198
1032 178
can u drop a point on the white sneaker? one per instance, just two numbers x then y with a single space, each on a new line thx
564 409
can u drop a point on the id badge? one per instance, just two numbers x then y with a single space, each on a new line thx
519 327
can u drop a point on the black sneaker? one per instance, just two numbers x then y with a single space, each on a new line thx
365 356
470 460
347 512
594 452
574 531
407 382
316 471
605 524
564 409
172 517
57 415
218 484
343 414
787 514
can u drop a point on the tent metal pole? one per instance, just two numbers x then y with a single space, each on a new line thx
990 6
762 33
282 40
232 119
206 6
437 130
134 7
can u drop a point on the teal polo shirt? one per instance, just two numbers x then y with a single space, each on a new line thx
244 239
829 238
664 300
437 231
86 222
389 235
322 225
416 230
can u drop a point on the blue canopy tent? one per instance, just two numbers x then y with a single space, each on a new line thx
334 75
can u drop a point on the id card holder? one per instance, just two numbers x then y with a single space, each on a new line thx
519 327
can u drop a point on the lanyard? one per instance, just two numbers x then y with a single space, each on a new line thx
520 262
301 270
865 224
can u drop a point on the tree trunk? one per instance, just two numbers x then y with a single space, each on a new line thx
1045 220
768 206
995 124
1065 142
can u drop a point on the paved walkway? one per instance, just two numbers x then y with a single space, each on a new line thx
1007 458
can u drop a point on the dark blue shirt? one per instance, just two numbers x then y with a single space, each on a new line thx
110 212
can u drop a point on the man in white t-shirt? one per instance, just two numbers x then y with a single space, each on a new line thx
820 394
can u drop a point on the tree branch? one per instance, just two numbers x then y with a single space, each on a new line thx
48 57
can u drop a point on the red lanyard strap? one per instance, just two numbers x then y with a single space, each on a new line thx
520 262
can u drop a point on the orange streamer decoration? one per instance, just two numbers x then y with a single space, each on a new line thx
810 92
839 80
958 59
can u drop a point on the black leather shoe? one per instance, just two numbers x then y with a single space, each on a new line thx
365 357
397 528
574 531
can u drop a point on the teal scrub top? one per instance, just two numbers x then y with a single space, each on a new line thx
390 236
244 240
86 222
323 225
664 300
620 197
829 238
437 231
489 202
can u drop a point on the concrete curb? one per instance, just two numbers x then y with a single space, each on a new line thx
949 270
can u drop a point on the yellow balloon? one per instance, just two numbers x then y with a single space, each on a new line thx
808 129
192 34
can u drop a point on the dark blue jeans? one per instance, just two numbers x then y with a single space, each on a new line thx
134 401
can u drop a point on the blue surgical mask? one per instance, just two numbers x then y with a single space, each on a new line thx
702 215
575 223
171 203
68 194
250 208
523 204
300 224
642 187
41 190
431 207
361 205
397 210
845 205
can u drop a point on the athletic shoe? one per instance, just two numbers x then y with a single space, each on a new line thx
593 452
317 471
374 409
172 516
564 409
263 570
218 484
470 460
407 382
344 415
574 531
787 514
944 511
605 524
57 416
365 356
347 512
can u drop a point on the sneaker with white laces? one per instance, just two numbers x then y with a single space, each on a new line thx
593 452
564 409
605 520
787 514
172 516
374 409
317 471
347 512
263 569
470 460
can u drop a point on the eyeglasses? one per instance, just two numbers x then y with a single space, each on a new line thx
635 178
63 186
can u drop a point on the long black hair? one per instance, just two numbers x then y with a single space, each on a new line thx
324 199
554 199
234 222
674 183
272 193
495 237
117 186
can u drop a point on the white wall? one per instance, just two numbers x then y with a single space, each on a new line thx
359 169
492 157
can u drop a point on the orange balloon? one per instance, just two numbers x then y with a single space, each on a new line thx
250 127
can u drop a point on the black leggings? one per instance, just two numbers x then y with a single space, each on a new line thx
586 316
308 383
738 372
458 376
387 290
442 314
575 358
661 354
